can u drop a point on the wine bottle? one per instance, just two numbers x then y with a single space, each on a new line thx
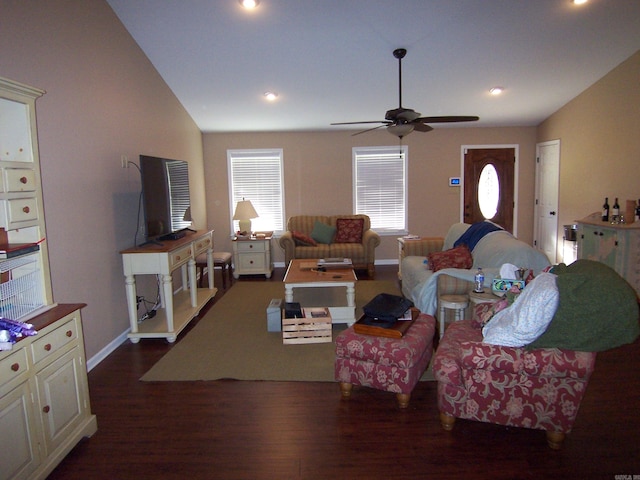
605 210
615 211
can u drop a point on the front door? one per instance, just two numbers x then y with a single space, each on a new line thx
489 182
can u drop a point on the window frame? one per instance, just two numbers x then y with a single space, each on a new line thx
378 154
257 193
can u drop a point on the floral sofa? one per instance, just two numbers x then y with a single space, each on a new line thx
539 389
527 362
336 236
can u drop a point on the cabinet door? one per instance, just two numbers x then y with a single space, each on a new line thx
19 454
61 398
599 244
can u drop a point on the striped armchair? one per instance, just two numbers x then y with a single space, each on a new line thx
361 253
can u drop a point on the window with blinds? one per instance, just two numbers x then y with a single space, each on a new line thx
179 198
380 187
257 175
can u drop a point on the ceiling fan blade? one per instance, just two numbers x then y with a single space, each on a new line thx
370 129
357 123
421 127
447 119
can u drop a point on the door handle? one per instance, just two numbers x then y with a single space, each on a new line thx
552 213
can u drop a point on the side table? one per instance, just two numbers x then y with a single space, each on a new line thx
252 255
486 297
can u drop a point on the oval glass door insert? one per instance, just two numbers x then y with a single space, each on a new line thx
488 191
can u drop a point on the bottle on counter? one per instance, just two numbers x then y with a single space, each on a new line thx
605 210
615 212
479 281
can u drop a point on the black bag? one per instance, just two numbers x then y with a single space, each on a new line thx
386 307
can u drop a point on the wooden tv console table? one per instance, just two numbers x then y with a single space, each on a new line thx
162 259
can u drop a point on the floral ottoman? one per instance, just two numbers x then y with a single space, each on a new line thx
389 364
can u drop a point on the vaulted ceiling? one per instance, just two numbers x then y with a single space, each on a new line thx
331 60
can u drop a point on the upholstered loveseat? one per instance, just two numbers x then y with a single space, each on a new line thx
336 236
423 285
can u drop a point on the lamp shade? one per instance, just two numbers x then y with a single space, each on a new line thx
244 213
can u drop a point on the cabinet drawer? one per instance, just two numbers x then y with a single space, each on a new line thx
202 244
54 341
18 212
13 366
249 261
180 257
250 246
20 180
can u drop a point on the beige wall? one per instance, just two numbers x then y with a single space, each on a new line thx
599 143
318 176
104 99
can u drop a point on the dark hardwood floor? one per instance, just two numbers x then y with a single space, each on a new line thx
296 430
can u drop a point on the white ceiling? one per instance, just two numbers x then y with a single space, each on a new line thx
331 60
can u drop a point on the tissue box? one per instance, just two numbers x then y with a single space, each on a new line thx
501 286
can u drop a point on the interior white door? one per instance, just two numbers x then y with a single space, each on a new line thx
546 208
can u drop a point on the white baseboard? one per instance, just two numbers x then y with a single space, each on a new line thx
104 353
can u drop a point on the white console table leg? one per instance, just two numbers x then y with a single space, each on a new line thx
132 304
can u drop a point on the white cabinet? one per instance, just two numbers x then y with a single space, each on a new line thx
44 395
617 246
21 207
252 256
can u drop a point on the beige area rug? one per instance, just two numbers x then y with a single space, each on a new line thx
231 341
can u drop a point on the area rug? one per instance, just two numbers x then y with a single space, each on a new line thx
232 342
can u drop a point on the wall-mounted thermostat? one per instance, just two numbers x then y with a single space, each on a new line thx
454 181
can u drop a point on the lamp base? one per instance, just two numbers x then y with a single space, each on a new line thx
245 226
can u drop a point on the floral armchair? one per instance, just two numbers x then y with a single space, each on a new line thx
538 388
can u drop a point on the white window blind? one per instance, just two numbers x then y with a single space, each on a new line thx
257 175
380 187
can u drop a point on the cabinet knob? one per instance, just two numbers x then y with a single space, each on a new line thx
23 180
46 409
15 367
250 246
251 262
26 209
47 347
69 333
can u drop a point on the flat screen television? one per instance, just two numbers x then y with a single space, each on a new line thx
165 197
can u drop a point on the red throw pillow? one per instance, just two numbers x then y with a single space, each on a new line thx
303 240
458 257
349 230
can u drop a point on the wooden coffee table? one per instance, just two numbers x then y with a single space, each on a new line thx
303 273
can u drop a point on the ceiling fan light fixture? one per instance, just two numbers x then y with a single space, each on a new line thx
249 4
400 130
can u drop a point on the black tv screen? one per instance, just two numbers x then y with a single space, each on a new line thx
165 195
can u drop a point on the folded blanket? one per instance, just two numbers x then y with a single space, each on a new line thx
474 234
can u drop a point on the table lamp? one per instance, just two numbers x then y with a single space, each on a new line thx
244 213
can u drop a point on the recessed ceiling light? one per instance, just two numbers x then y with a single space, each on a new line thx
249 4
496 90
579 2
271 96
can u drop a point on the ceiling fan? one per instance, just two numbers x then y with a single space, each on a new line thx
402 121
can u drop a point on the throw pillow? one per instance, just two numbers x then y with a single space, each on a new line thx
303 240
323 233
458 257
528 317
349 230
